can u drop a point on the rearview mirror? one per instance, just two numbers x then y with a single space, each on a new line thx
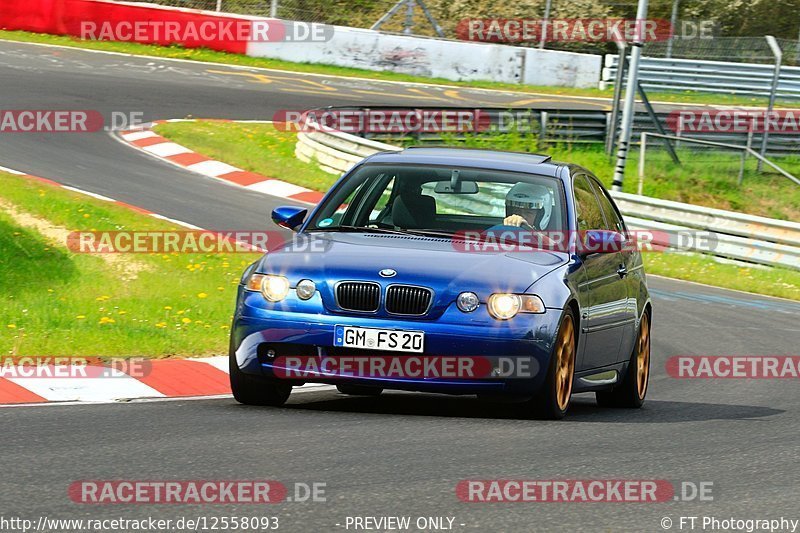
289 216
461 187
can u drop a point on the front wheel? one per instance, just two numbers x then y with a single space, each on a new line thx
256 390
633 389
552 400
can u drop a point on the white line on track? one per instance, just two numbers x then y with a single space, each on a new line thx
309 387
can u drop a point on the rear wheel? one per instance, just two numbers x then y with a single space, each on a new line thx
256 390
633 389
552 400
359 390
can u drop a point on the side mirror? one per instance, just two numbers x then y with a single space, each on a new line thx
289 216
601 241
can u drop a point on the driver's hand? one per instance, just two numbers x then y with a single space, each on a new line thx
516 220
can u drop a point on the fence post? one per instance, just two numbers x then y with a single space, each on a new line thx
745 153
642 150
628 109
219 6
673 21
543 127
611 134
273 9
545 19
776 51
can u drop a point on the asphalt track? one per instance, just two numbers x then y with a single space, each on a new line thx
400 454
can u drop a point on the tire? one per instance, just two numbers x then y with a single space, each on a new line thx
631 392
256 390
359 390
553 399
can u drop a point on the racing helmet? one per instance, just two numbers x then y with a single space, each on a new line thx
532 202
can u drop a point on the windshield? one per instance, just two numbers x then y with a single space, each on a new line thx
441 199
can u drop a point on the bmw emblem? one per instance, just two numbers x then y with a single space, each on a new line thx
388 273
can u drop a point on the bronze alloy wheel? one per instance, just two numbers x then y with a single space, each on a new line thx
643 357
565 369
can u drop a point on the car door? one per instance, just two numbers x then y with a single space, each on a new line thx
629 261
602 292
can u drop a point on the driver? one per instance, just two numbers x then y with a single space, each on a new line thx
528 206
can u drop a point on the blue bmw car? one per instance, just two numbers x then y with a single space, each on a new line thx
459 271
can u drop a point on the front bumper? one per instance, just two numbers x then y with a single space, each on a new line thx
264 334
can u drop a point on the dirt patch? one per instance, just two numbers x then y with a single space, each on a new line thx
127 267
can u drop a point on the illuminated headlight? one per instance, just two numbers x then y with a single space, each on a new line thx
305 289
467 301
504 306
274 288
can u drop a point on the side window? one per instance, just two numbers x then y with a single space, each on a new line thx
587 208
613 220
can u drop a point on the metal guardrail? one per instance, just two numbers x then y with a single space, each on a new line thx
708 76
587 126
737 236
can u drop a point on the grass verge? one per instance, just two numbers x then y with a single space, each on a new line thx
55 302
264 149
211 56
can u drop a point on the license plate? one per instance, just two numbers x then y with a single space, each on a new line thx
391 340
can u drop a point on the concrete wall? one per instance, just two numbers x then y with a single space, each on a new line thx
439 58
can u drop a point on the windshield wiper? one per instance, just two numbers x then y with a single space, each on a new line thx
359 229
430 233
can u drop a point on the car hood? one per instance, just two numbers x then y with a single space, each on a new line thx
431 262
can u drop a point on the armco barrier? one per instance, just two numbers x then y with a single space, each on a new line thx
708 76
738 236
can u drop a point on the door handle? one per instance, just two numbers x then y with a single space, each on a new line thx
622 271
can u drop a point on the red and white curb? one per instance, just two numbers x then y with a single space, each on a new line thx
145 139
167 378
205 377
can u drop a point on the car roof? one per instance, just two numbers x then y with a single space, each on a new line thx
470 157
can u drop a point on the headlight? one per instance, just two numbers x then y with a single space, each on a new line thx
274 288
305 289
467 301
504 306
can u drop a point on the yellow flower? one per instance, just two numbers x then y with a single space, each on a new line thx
80 317
12 326
107 320
168 307
86 215
161 325
220 288
123 312
102 298
202 295
186 320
